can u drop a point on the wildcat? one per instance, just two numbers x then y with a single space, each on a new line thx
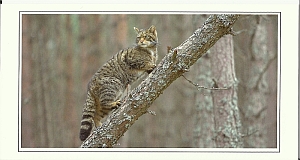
108 84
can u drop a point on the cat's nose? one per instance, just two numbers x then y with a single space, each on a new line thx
142 40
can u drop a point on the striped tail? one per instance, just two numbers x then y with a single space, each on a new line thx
86 127
87 122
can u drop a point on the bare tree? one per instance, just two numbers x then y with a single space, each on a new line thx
173 65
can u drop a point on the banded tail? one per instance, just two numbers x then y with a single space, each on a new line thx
87 122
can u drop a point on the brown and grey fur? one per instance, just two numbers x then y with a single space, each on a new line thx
110 81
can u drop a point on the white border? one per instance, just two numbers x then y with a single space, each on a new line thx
9 68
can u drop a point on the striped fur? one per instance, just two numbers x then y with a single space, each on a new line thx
109 82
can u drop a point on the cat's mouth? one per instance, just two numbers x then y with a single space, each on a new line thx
148 44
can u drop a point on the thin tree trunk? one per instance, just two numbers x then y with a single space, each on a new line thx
27 81
174 64
204 121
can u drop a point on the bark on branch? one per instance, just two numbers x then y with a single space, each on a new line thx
172 66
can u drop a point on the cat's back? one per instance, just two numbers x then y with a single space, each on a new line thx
117 67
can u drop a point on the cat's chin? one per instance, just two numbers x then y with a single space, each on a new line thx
147 45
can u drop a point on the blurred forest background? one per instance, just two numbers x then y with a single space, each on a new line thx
61 52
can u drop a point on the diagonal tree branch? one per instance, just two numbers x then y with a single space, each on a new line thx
172 66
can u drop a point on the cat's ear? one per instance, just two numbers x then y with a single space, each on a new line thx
136 30
152 29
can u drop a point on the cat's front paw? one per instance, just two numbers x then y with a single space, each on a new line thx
116 104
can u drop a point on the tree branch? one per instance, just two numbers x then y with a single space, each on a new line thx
177 61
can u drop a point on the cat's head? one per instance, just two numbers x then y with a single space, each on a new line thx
146 38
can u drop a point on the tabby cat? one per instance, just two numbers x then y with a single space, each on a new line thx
110 81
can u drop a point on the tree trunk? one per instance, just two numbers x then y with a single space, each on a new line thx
254 82
174 64
225 109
